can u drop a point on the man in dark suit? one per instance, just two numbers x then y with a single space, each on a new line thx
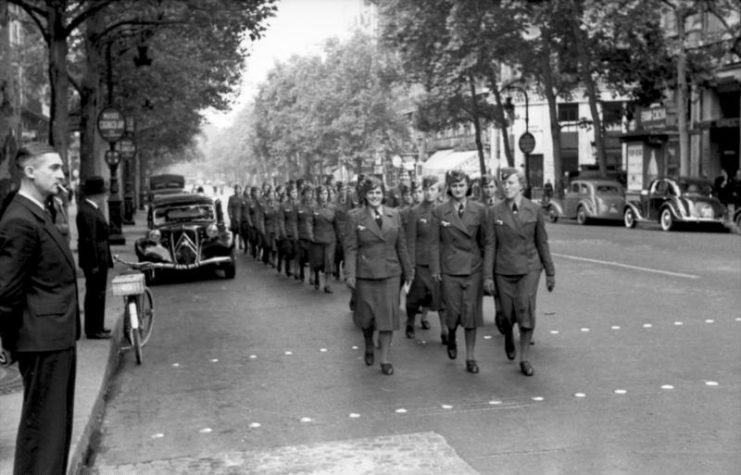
94 254
39 314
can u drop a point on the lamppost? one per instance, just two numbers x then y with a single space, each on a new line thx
527 140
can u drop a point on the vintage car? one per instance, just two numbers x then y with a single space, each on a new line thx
165 184
594 198
187 232
669 201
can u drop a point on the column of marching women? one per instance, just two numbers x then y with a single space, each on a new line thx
437 245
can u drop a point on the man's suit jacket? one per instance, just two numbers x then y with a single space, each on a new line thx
520 242
461 245
93 249
418 225
372 252
39 309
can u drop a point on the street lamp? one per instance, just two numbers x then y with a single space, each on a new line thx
527 140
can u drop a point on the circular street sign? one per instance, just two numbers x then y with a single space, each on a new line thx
126 147
111 124
527 142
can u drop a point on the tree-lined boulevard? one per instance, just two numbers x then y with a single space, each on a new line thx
637 360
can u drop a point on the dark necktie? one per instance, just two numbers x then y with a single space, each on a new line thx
460 210
514 208
379 219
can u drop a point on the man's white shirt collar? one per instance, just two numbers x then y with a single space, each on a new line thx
95 205
38 203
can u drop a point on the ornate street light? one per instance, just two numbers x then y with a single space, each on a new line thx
527 140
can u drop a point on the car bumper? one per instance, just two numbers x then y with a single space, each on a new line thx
196 265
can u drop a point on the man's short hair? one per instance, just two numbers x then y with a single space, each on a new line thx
31 150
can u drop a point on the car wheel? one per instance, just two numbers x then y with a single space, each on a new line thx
666 220
553 215
581 215
629 218
230 270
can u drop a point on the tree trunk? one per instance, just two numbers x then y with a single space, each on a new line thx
585 70
503 121
547 77
89 96
477 125
681 96
59 113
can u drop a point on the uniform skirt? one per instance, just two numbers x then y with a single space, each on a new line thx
377 301
424 291
517 295
321 256
462 298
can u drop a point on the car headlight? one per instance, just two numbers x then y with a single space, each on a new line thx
212 231
155 235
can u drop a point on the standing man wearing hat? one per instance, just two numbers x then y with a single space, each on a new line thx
39 313
94 255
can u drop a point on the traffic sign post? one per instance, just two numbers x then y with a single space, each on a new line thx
527 145
112 127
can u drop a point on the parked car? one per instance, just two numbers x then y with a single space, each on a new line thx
669 201
187 232
594 198
165 184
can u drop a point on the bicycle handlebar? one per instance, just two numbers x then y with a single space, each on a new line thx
136 265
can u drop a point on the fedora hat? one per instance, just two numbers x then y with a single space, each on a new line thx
94 185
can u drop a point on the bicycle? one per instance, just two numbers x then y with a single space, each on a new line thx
138 304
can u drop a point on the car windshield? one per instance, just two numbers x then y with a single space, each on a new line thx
183 212
696 187
608 190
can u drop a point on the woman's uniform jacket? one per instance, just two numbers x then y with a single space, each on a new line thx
520 242
418 226
373 253
461 245
288 221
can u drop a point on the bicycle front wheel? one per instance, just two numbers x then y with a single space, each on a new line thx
146 316
136 343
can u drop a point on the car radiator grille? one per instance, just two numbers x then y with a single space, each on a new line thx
185 246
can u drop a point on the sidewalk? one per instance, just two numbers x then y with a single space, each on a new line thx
96 359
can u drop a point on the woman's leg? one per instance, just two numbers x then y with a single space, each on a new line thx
470 343
443 327
384 338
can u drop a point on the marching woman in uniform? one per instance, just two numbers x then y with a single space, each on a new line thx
462 251
288 229
321 251
521 252
270 224
375 259
305 220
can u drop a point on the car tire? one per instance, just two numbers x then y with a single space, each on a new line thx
230 270
552 214
581 215
666 220
629 218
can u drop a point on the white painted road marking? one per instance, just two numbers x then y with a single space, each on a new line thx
627 266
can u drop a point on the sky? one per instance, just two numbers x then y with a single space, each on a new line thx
299 27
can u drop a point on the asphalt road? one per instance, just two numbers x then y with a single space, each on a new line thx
637 370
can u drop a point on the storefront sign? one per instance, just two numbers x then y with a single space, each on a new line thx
635 167
656 118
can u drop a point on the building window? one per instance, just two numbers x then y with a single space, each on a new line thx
612 115
568 112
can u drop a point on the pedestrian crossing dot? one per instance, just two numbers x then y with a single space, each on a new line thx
214 360
647 325
554 332
401 411
306 419
709 320
354 415
738 319
254 425
447 406
176 365
323 350
580 395
585 330
354 347
615 327
288 353
537 398
487 337
620 391
667 386
495 403
252 357
158 435
679 324
711 383
206 430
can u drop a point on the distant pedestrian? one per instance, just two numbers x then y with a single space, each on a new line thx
39 314
234 210
521 252
376 257
461 250
722 187
94 254
324 240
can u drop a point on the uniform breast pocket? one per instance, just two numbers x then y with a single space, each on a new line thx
46 309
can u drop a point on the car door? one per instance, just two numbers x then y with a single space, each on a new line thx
657 198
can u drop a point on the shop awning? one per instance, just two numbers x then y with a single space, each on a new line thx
444 160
